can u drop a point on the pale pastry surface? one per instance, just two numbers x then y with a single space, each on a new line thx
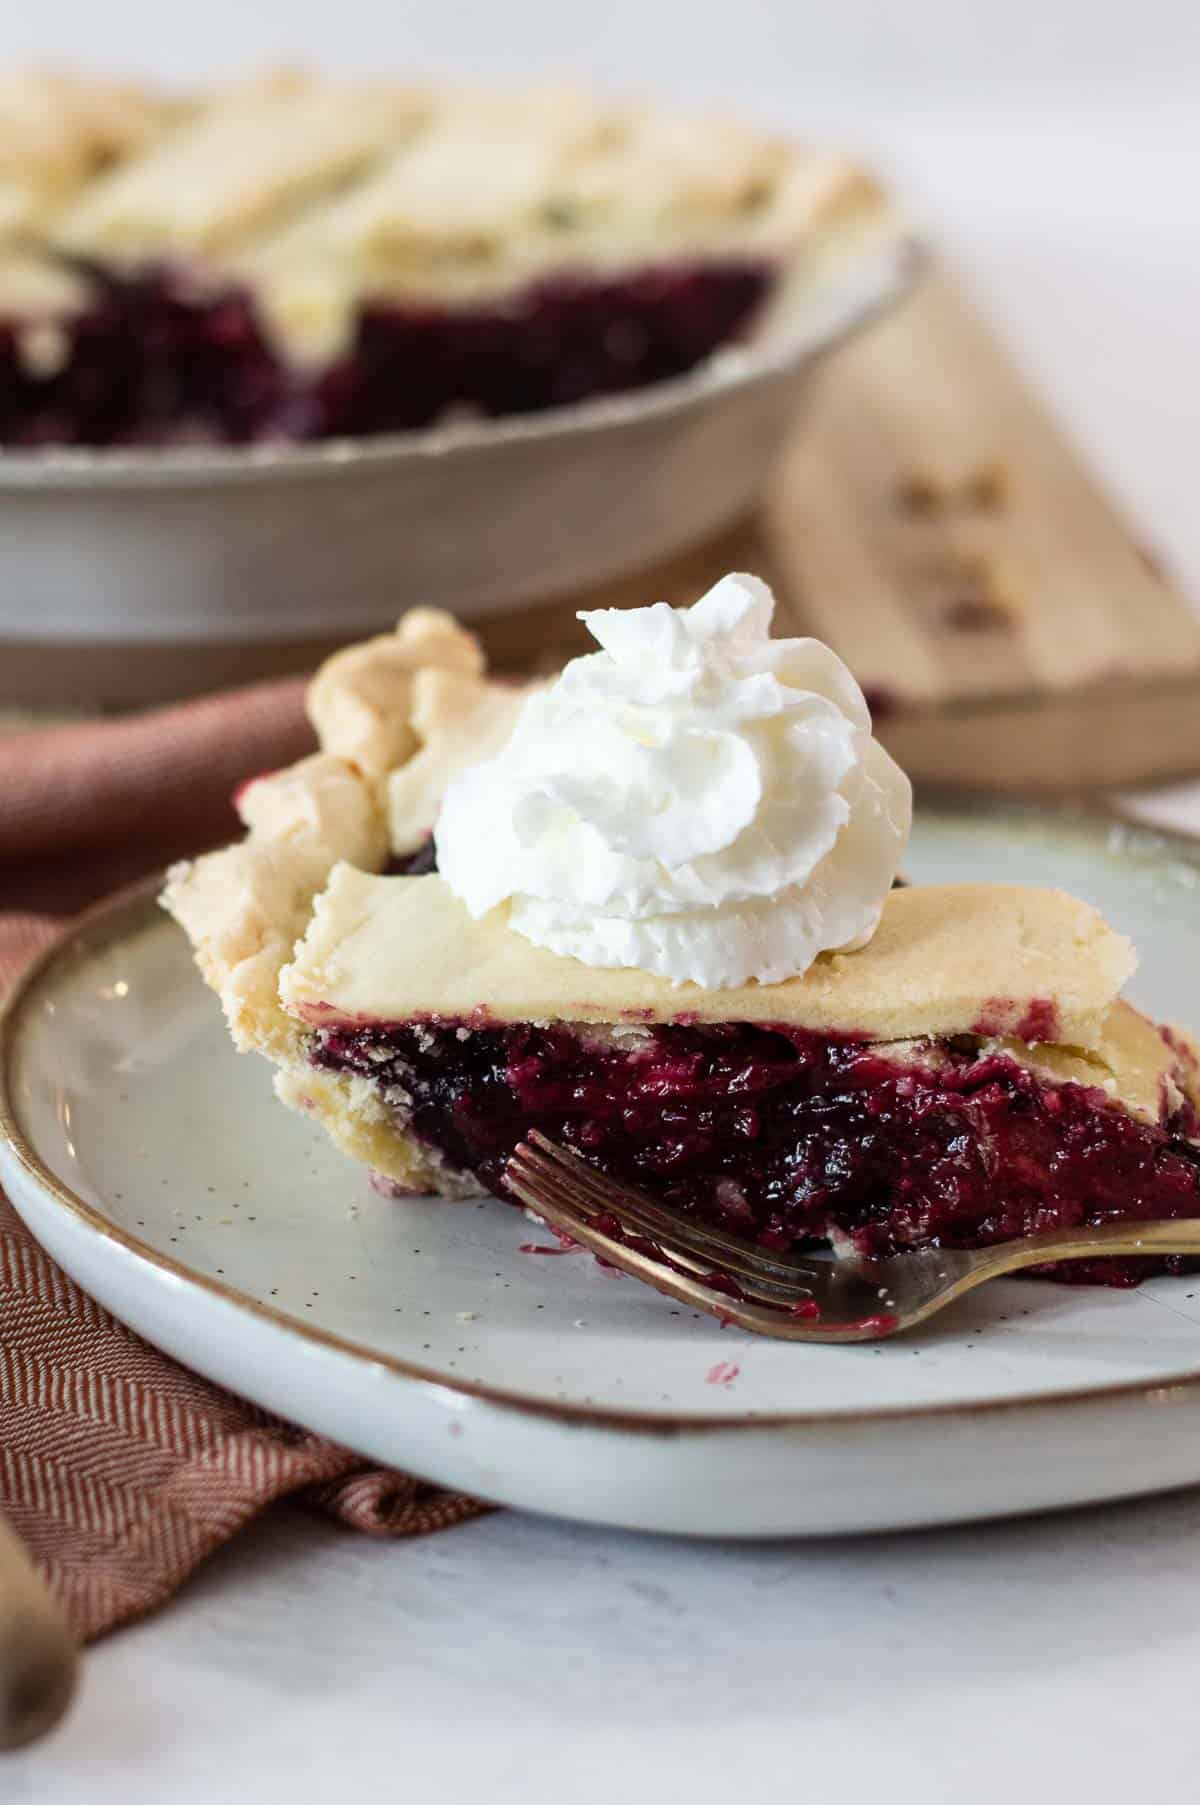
946 959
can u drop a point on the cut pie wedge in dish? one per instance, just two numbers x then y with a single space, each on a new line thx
969 1074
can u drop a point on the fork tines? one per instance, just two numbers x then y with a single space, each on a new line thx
559 1185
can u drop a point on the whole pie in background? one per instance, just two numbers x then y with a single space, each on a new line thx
293 257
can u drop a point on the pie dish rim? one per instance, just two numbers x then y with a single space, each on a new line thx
875 275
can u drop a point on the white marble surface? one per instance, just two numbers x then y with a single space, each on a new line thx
520 1660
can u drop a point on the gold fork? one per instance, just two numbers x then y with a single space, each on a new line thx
784 1294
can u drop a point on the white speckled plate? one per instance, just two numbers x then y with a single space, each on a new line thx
156 1166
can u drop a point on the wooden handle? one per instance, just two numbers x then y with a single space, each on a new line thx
38 1655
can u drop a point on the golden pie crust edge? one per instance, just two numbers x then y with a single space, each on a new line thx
394 717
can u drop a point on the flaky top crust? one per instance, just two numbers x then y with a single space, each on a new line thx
946 959
59 130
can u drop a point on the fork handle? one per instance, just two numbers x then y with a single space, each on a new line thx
1112 1240
38 1656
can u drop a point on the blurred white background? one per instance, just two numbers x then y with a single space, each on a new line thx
773 51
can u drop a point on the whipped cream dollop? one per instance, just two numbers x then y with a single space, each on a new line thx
695 800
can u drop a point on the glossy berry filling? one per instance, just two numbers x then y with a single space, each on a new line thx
151 362
156 360
788 1137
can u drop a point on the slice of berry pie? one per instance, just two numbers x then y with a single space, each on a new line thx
970 1075
662 929
293 257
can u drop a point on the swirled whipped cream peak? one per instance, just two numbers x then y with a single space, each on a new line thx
696 799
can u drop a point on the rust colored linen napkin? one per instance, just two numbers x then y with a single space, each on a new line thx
120 1469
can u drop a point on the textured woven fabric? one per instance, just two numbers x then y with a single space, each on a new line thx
121 1469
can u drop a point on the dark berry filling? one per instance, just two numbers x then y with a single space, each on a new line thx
156 360
563 340
786 1136
152 362
414 864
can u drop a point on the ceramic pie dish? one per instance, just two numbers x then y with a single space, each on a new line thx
277 362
